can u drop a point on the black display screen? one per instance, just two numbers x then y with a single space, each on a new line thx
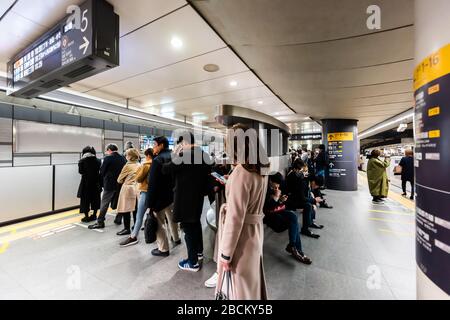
61 46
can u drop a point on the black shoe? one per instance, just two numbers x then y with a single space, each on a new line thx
310 234
124 232
299 256
326 205
85 219
158 253
129 242
177 243
404 194
92 218
316 226
290 249
412 197
97 225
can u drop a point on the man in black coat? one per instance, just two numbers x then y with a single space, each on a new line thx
191 169
89 189
160 197
296 183
321 163
407 164
110 170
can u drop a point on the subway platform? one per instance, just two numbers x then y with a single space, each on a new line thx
366 251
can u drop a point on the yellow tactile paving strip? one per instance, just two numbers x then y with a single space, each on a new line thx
32 228
34 222
408 204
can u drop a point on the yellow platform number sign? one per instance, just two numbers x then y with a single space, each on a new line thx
340 136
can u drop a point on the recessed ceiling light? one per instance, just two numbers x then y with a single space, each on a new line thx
233 83
176 42
260 102
277 113
211 67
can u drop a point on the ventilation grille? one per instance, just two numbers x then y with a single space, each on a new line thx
31 92
78 72
51 83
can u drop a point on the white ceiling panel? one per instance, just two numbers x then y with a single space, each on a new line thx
45 13
207 105
214 87
150 48
16 33
177 75
287 22
5 5
136 13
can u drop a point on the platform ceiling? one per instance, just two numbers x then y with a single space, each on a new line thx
317 56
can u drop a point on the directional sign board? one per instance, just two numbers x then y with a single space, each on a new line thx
60 56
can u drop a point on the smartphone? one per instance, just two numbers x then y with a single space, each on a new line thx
220 178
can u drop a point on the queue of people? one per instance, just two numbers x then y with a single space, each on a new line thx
171 186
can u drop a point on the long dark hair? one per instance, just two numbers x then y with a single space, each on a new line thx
258 148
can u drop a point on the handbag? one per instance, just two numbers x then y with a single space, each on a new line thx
397 170
220 295
150 228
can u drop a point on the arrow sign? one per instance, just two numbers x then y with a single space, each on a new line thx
331 165
85 45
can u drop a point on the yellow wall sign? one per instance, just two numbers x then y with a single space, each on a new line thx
434 89
434 111
434 134
432 67
340 136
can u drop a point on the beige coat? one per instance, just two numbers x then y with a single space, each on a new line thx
241 234
129 192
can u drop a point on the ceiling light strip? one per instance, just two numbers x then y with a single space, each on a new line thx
410 115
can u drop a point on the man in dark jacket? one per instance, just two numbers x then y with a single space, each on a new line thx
279 219
297 199
191 169
407 164
160 197
110 170
321 162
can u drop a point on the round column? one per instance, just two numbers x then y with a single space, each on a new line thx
341 142
432 152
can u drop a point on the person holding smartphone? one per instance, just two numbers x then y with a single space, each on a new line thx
279 219
377 176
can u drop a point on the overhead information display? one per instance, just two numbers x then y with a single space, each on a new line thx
52 60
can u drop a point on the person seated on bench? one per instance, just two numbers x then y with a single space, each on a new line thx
296 184
279 219
316 183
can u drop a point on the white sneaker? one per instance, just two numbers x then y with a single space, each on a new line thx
212 282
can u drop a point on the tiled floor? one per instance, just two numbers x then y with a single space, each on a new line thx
366 251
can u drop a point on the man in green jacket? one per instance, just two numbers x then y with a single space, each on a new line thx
377 176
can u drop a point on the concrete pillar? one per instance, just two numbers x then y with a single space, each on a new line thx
432 152
341 142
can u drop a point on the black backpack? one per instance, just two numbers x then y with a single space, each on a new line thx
150 228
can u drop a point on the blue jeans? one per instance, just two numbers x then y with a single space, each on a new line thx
294 229
139 215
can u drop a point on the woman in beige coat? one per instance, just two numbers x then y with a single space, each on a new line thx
241 228
128 196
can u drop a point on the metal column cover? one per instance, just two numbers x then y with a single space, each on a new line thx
341 141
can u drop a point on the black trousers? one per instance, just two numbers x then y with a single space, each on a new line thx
127 219
404 186
193 236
